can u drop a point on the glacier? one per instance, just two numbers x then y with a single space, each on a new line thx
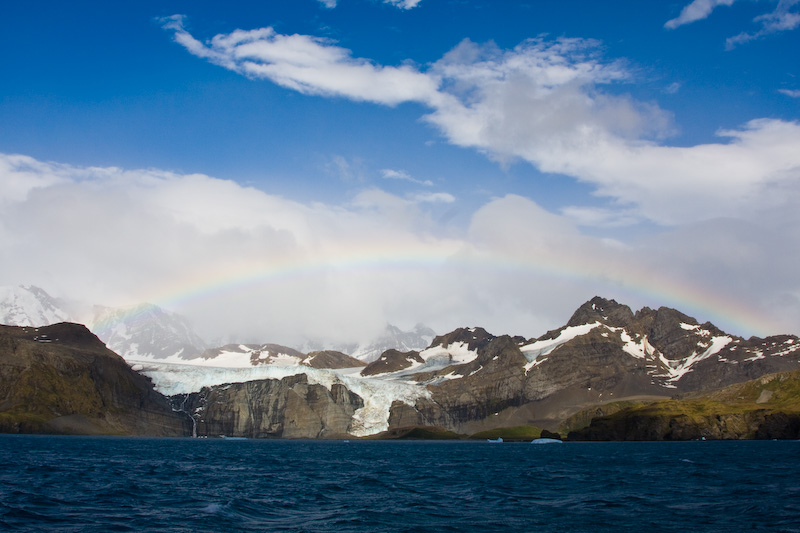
378 393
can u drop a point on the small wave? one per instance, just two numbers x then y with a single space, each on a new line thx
213 508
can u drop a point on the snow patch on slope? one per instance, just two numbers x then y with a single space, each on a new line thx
438 357
640 350
536 351
685 365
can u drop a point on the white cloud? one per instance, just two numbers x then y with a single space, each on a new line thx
249 266
792 93
402 175
696 10
24 174
599 217
543 102
783 18
347 170
310 65
403 4
676 185
434 198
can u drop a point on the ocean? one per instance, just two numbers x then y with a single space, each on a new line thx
52 483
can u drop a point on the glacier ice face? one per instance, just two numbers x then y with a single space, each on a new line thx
378 393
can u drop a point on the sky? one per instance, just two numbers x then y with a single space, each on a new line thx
315 169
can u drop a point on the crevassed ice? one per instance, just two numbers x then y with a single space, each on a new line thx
378 394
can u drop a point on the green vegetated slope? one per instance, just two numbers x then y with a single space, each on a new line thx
417 433
63 379
763 408
510 434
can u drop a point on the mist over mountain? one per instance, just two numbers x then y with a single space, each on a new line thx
30 306
392 338
143 330
148 332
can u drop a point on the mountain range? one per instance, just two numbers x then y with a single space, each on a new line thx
146 332
607 360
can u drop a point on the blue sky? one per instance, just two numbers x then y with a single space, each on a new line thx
388 161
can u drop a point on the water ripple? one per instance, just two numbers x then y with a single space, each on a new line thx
115 484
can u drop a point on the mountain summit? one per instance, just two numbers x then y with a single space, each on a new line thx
139 331
30 306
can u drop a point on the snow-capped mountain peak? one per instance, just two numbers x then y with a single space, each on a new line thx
139 331
146 331
30 306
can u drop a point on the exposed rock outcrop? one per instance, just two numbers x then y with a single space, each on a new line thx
290 408
331 359
605 354
764 408
63 379
392 361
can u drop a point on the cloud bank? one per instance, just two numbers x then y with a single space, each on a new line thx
547 102
247 266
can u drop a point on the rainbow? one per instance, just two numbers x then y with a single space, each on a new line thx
627 283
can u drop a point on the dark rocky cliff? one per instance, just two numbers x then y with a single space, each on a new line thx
63 379
290 408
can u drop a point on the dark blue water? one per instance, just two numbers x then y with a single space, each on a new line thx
127 484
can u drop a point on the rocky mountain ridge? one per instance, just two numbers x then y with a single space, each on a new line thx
469 381
604 353
62 379
764 408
